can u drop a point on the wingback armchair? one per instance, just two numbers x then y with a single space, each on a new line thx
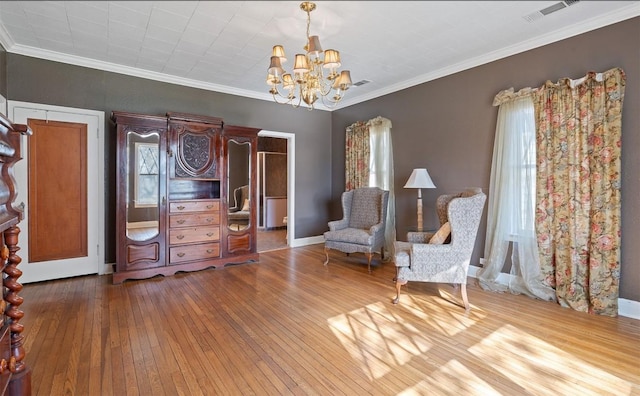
238 213
440 262
362 227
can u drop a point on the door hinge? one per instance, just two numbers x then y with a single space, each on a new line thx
98 250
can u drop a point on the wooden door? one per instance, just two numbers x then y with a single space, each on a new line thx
60 182
57 190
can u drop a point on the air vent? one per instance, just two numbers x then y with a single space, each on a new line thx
551 9
361 82
533 16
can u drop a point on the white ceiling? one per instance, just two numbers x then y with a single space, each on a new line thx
225 46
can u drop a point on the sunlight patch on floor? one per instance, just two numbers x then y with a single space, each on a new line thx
380 340
451 379
543 369
438 312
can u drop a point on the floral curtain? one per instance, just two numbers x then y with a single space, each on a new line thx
578 210
357 152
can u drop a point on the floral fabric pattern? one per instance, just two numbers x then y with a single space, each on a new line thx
357 155
578 145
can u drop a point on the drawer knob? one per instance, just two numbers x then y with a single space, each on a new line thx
181 254
180 207
180 236
209 234
209 219
209 251
181 221
209 206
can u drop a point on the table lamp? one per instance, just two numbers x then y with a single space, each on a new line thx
419 179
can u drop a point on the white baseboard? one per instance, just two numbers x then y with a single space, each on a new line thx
626 308
298 242
107 268
629 308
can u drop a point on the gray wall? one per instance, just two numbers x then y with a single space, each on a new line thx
41 81
448 126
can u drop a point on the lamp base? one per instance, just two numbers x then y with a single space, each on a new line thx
420 225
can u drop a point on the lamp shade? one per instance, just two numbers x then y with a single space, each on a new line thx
343 81
300 65
278 51
314 46
331 59
419 179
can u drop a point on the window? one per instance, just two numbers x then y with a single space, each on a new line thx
523 163
146 181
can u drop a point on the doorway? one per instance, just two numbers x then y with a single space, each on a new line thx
61 183
276 198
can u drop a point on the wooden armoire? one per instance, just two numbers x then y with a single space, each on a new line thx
15 376
175 179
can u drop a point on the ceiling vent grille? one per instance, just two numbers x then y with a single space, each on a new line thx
551 9
361 82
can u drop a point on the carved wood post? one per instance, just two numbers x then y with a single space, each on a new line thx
21 380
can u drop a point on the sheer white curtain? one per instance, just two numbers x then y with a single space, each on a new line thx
511 205
381 173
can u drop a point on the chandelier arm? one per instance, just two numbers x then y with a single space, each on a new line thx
331 103
275 91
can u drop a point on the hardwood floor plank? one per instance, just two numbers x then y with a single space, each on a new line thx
289 325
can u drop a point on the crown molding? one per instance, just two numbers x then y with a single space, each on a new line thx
585 26
5 39
136 72
131 71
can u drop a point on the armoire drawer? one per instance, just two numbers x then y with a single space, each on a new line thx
194 219
199 205
179 254
193 234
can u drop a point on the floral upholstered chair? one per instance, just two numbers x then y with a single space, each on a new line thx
361 228
433 259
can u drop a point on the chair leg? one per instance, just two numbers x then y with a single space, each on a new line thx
369 257
326 253
465 299
398 286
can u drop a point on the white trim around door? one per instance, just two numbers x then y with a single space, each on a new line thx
94 263
291 180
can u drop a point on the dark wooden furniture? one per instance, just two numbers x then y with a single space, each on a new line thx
175 179
15 376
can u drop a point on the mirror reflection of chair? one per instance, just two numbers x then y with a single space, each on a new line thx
362 227
239 213
432 259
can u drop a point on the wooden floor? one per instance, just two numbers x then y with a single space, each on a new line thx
289 325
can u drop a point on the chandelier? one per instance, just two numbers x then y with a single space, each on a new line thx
308 81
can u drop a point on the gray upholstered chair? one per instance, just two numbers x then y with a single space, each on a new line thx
236 213
445 262
361 228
